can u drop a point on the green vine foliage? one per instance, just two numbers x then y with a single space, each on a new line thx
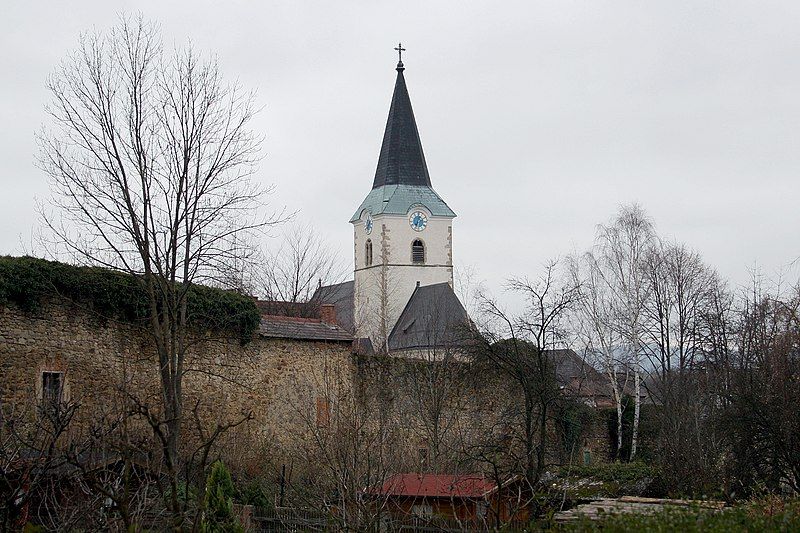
29 282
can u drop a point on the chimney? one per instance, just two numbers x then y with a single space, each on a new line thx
327 313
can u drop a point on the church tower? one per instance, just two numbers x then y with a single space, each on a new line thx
402 230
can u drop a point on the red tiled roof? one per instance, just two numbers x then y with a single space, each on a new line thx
436 486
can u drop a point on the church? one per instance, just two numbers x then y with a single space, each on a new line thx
401 300
312 379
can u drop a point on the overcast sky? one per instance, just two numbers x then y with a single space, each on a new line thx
538 119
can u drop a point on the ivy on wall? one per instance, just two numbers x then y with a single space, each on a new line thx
28 282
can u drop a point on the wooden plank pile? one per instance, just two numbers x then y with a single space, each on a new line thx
597 509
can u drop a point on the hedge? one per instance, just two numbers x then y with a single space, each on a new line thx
28 282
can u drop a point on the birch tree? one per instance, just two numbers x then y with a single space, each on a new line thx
596 329
618 257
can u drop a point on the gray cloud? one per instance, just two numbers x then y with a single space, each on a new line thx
538 118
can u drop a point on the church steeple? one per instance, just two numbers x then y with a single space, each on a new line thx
402 231
401 161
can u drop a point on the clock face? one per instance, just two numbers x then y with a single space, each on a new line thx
418 220
368 224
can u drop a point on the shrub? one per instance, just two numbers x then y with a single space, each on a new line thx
218 503
750 517
253 493
612 472
28 282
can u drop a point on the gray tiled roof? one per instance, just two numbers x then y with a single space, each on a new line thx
569 366
285 327
577 376
401 159
398 200
341 296
433 317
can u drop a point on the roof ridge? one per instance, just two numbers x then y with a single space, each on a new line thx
435 284
293 318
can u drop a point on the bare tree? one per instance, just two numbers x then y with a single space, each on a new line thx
678 320
375 295
386 288
149 161
434 390
299 265
345 441
29 454
681 289
468 287
521 348
617 266
761 420
596 329
434 372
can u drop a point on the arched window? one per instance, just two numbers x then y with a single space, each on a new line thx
368 253
417 251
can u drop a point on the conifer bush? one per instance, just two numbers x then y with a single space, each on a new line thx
218 503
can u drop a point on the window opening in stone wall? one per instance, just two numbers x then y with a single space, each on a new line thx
368 253
52 387
417 251
323 412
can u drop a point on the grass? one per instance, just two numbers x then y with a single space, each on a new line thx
769 514
606 479
611 472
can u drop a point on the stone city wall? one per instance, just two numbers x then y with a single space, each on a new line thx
278 381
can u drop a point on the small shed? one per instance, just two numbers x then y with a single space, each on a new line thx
466 498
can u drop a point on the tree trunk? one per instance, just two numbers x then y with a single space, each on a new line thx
637 401
543 442
529 441
612 377
619 425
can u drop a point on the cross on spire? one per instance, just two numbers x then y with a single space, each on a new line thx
400 51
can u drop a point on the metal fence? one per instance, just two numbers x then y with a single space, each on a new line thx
282 519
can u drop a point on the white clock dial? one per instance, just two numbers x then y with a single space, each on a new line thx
418 220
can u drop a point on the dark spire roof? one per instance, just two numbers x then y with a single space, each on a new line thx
401 161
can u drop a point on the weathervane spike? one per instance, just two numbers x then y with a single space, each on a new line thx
400 51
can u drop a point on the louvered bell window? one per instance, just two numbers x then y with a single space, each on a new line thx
417 251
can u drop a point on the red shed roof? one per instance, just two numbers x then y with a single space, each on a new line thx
436 486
